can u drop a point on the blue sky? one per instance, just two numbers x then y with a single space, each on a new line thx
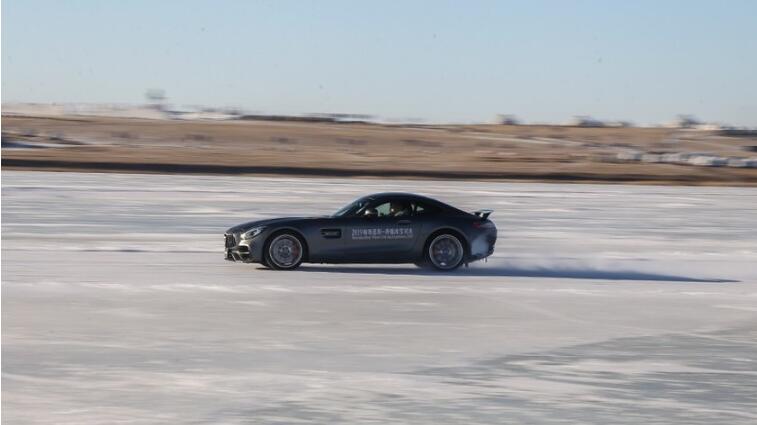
544 61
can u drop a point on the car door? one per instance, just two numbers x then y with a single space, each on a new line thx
384 238
361 238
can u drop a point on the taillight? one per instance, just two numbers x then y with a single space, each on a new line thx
483 224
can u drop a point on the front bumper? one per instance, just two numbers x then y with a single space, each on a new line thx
246 251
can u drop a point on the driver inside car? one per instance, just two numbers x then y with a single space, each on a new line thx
399 209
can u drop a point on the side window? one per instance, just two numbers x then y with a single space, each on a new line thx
383 209
421 209
394 208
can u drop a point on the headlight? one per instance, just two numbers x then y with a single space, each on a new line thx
252 232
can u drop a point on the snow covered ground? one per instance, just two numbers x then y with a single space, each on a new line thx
602 304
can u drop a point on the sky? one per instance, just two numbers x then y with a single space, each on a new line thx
440 61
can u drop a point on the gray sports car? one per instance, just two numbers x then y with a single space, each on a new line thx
380 228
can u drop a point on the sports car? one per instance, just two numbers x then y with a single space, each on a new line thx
379 228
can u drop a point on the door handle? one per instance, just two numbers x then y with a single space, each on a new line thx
403 222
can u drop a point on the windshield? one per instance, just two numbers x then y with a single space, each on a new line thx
351 208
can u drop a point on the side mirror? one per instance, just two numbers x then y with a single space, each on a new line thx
370 213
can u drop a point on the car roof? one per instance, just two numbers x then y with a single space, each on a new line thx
411 196
400 195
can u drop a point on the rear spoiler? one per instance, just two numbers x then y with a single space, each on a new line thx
484 214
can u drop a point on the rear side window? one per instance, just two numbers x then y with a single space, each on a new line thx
423 209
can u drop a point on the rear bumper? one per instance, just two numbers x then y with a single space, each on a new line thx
483 246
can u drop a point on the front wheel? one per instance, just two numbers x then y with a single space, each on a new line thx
284 252
445 252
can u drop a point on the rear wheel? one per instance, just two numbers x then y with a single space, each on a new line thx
445 252
284 252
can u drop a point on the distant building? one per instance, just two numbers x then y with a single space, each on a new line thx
507 119
685 121
620 124
585 121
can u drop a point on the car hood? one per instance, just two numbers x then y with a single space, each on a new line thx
267 222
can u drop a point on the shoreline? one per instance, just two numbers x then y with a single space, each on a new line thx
17 164
460 152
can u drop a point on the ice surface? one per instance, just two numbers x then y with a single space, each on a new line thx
602 304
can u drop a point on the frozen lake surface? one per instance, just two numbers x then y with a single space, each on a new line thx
602 304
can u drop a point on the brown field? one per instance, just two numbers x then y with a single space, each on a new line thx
359 149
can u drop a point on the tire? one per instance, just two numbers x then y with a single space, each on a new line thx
284 251
445 251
